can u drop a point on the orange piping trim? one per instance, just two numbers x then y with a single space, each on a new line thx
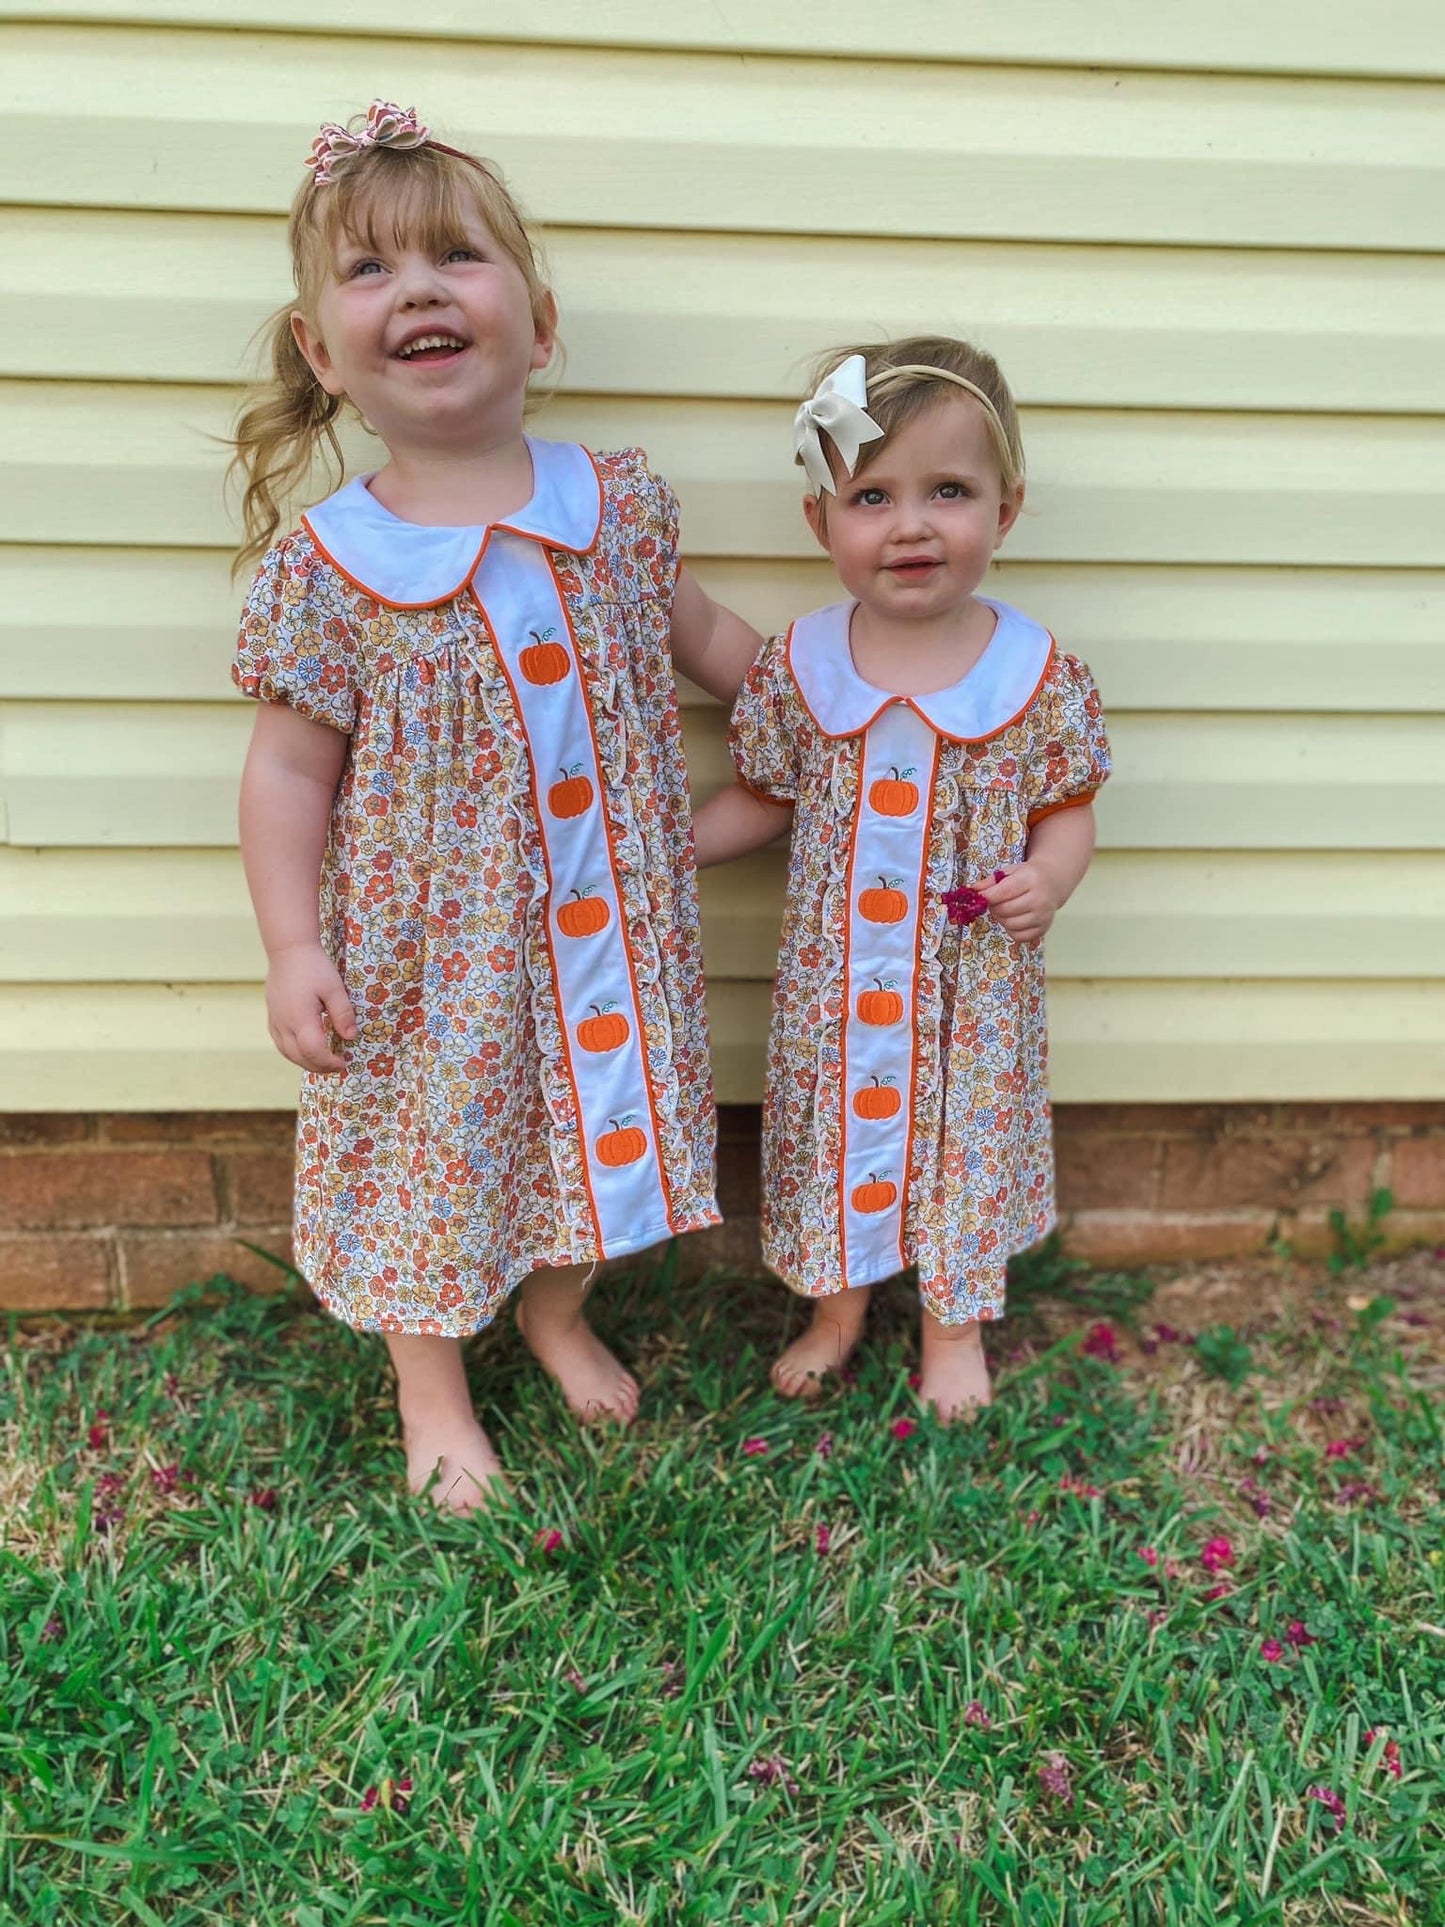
1052 809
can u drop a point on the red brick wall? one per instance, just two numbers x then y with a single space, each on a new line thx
122 1210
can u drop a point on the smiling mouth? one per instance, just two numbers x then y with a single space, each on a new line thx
917 565
430 348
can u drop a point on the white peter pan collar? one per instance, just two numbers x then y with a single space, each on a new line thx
995 692
413 567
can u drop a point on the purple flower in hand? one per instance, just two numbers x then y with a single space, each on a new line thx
965 905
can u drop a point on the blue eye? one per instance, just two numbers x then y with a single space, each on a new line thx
952 491
869 498
365 267
467 253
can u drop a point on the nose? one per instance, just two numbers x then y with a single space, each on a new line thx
910 519
418 284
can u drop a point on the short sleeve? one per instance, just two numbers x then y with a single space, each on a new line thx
764 736
298 644
639 537
1071 762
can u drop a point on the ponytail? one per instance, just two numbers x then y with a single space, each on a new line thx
277 436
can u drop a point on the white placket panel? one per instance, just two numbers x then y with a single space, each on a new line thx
899 756
597 1006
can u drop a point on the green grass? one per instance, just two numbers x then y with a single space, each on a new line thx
687 1713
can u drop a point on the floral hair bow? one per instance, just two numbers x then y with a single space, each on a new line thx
387 125
838 409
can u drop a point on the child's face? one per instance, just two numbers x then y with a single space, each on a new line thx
913 535
379 307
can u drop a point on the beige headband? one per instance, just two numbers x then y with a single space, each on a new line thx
1010 454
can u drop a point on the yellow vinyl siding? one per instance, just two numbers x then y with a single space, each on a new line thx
1218 293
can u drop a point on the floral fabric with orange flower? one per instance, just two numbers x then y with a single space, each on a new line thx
906 1117
471 1138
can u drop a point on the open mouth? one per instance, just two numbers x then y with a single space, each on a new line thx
913 570
431 348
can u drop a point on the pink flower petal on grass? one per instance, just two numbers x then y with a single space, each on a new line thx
1329 1800
1217 1556
824 1447
1298 1634
756 1448
976 1714
1390 1758
1054 1778
1271 1650
824 1541
264 1498
1147 1554
547 1539
903 1428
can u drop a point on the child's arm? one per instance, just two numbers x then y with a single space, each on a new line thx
710 645
1060 846
287 790
736 821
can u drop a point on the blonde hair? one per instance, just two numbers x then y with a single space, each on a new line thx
383 194
905 377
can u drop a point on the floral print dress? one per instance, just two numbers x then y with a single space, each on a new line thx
508 891
906 1117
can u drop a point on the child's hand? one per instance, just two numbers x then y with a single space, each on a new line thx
1024 901
303 990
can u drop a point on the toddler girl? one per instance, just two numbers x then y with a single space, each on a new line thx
940 756
464 815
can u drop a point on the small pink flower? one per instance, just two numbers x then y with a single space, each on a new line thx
772 1772
915 1379
1390 1758
1271 1650
165 1478
1173 1569
1054 1778
1157 1615
1166 1334
903 1428
1221 1591
1101 1341
50 1631
547 1539
263 1498
170 1384
1298 1635
671 1684
393 1796
109 1482
1329 1800
1032 1517
999 875
1147 1554
1357 1492
1342 1448
1218 1554
1071 1482
575 1680
824 1541
976 1714
824 1447
98 1436
965 905
756 1448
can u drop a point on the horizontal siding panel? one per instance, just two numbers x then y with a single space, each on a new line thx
220 122
83 774
1390 37
178 298
94 464
161 916
158 626
189 1046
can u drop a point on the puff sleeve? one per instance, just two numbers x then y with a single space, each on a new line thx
297 644
1071 762
767 718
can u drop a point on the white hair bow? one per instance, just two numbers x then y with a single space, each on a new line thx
837 409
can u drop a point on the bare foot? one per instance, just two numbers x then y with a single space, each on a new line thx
954 1380
454 1463
835 1328
593 1382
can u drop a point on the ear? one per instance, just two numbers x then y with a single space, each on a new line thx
815 514
309 341
1009 510
544 340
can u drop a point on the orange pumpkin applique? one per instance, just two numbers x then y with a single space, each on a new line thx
623 1144
878 1099
545 661
880 1006
607 1030
884 905
572 795
583 915
876 1195
894 795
